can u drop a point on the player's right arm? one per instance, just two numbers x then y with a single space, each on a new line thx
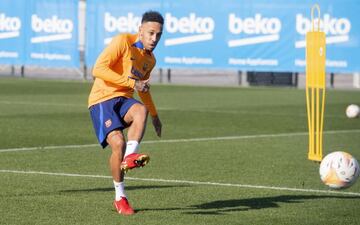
111 55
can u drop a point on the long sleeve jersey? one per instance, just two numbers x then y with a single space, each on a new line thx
117 68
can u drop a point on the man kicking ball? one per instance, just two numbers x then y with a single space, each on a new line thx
124 66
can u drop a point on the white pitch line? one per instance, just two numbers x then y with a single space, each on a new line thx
42 104
236 112
183 140
47 147
188 182
199 110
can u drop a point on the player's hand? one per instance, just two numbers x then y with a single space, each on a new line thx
157 125
142 85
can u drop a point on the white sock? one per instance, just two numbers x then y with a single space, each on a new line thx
119 190
131 147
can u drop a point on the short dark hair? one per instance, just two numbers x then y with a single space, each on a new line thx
152 16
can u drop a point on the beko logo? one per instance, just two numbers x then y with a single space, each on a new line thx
193 28
122 24
55 29
9 26
336 29
258 29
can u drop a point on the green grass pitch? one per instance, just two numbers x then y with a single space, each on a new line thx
227 156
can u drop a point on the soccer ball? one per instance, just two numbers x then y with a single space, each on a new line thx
339 170
352 111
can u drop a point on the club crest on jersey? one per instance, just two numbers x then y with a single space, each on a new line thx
108 123
136 72
145 66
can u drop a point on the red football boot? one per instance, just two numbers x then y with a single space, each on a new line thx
123 207
134 160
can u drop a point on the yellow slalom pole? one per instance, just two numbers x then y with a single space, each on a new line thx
315 86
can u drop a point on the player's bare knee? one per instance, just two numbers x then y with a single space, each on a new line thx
141 112
117 146
116 141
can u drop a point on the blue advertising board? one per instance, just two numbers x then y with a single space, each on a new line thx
246 35
237 34
12 35
340 22
52 33
105 19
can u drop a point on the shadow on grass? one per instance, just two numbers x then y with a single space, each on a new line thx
221 207
86 191
128 188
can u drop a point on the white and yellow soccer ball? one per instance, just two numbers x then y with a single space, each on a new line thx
339 170
352 111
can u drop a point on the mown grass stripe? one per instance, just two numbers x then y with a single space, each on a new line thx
182 140
189 182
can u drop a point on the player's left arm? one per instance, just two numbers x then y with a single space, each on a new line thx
149 104
157 125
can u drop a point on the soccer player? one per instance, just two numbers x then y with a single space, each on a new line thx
124 66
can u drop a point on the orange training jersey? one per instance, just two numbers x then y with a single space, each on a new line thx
122 62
